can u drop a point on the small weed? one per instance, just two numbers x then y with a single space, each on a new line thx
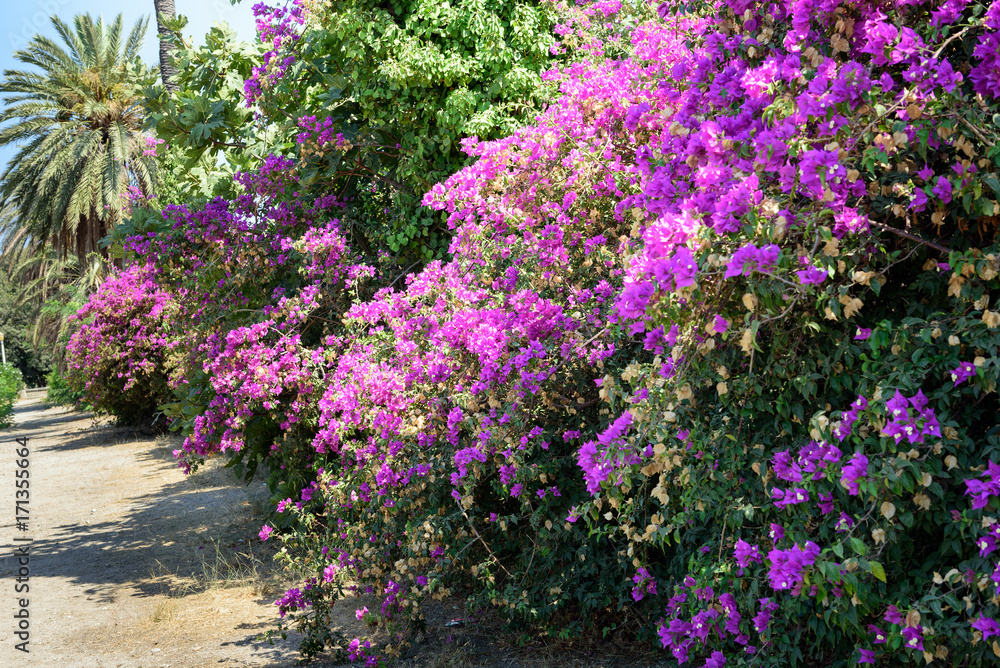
165 611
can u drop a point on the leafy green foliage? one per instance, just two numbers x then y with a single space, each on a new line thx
60 393
403 83
16 325
11 385
206 124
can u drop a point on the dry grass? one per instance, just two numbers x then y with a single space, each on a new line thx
165 611
224 568
227 554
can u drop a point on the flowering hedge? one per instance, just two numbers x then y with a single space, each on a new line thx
817 269
712 358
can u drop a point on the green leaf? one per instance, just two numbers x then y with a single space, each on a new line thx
993 183
878 571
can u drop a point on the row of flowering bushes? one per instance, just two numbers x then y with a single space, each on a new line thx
713 355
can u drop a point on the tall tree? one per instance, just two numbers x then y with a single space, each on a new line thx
78 127
165 10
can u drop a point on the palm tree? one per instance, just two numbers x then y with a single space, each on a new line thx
165 9
78 126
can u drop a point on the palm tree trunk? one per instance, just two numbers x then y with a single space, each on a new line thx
167 70
81 238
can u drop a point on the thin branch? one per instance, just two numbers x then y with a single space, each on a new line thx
950 40
405 272
911 237
485 544
975 130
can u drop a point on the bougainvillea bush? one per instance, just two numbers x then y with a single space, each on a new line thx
819 258
712 358
119 356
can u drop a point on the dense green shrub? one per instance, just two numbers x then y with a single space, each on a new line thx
11 385
59 392
373 98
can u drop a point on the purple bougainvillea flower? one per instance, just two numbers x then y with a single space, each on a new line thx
825 503
855 470
893 616
863 334
942 189
879 634
982 490
717 660
777 532
867 656
786 567
962 373
265 532
986 545
745 553
989 627
913 638
811 276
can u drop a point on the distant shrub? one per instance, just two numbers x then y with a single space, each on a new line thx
11 385
59 392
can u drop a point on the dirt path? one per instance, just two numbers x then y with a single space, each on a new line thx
131 563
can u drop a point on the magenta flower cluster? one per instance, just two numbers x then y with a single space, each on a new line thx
278 28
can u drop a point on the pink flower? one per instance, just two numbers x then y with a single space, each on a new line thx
265 532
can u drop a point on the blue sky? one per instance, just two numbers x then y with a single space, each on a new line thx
22 19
